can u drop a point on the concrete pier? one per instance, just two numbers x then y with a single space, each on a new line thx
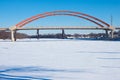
12 35
63 34
38 34
106 34
112 34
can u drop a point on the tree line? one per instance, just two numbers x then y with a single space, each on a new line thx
7 35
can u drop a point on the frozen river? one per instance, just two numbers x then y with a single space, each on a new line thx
52 59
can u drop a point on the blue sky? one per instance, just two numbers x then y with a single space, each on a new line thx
14 11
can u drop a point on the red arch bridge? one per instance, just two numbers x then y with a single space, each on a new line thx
101 25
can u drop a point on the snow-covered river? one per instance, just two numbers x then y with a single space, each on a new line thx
55 59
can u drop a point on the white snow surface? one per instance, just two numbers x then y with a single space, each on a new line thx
57 59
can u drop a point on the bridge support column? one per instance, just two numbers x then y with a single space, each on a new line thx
106 34
15 35
12 35
112 33
38 34
63 34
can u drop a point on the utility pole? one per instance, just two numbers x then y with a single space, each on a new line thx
111 20
112 31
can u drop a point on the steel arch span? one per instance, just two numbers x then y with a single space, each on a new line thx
87 17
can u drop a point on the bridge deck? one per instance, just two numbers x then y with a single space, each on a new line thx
59 28
68 28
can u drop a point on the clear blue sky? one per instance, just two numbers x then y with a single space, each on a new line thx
14 11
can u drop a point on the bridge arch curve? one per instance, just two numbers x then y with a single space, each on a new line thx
87 17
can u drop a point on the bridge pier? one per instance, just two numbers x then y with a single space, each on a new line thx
106 34
15 35
109 33
12 35
38 34
112 33
63 34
